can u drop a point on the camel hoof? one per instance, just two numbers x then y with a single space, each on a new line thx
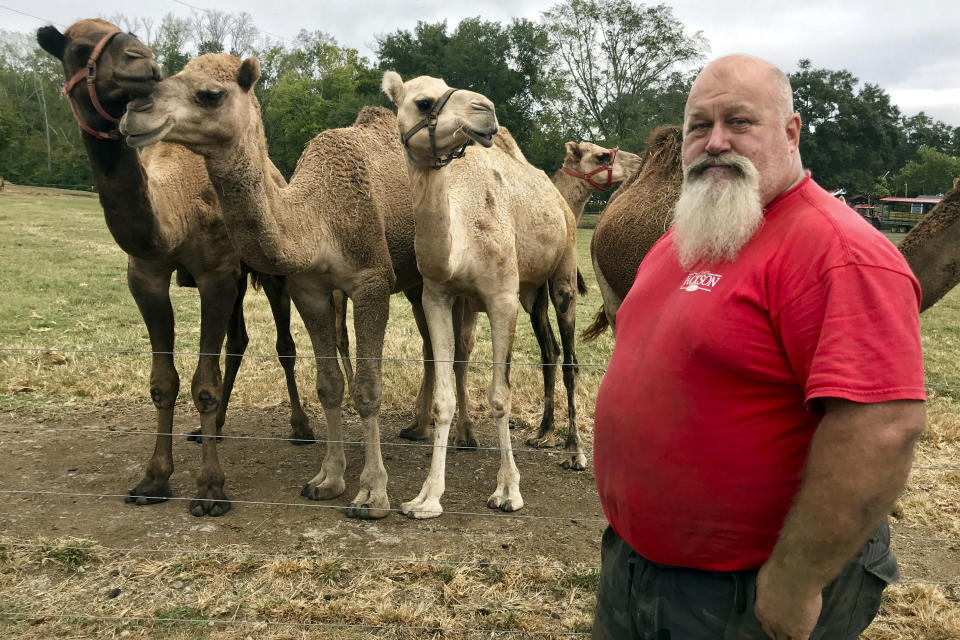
149 491
301 440
512 423
467 445
323 491
509 504
576 462
366 511
415 433
542 441
197 436
211 501
421 510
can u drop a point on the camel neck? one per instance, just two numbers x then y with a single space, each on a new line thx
269 234
124 192
433 236
575 191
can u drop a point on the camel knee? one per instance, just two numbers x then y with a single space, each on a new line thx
330 389
499 399
164 392
443 408
366 399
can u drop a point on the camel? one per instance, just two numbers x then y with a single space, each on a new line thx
930 248
163 212
638 213
588 167
329 229
490 228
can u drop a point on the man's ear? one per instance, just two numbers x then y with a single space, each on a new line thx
52 41
574 153
392 85
793 130
249 73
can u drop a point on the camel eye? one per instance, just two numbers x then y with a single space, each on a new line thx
210 99
603 158
82 52
424 105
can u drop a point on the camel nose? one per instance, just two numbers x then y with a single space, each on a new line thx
482 104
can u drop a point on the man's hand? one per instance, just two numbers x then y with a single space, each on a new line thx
784 608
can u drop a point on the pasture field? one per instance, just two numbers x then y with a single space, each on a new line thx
77 562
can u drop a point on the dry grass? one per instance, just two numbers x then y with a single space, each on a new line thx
214 596
64 286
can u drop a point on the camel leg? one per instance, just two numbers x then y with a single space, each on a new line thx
276 289
464 336
564 297
438 307
316 309
419 428
237 341
371 306
217 298
502 312
343 336
549 352
151 291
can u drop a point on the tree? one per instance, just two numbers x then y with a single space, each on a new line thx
923 131
171 45
850 135
621 59
932 172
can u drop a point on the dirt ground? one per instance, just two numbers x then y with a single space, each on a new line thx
561 519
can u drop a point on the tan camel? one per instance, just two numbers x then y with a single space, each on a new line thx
324 231
931 248
491 228
638 213
588 168
163 212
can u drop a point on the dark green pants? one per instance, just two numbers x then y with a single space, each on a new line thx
641 600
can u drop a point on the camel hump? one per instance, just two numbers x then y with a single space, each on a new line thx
375 116
505 141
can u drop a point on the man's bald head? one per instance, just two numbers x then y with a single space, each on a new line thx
745 68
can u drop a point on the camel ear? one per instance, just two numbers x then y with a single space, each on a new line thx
52 41
392 85
573 151
249 73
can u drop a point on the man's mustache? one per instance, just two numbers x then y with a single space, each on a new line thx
704 161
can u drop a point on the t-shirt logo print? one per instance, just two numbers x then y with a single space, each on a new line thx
701 281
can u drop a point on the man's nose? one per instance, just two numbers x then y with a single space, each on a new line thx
718 141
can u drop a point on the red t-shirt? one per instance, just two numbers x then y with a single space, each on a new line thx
703 419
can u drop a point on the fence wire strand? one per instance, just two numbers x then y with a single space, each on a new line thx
62 494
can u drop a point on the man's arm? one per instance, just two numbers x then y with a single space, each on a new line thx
857 465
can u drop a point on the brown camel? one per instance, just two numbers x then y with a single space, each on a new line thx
587 168
931 248
638 213
493 229
163 212
326 230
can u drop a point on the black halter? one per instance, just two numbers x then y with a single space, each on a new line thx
430 122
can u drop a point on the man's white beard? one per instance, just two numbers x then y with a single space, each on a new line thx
718 212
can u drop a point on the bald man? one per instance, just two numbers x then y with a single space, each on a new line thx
759 414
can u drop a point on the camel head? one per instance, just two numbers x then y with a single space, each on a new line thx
599 166
436 122
124 68
207 107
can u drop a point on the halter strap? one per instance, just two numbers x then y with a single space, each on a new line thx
90 73
430 122
589 176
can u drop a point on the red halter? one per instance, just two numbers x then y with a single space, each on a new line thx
90 73
589 176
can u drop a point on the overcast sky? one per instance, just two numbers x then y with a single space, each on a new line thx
909 47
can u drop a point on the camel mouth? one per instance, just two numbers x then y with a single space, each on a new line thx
145 138
483 139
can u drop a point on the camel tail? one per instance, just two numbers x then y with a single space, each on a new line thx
255 280
581 284
596 328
